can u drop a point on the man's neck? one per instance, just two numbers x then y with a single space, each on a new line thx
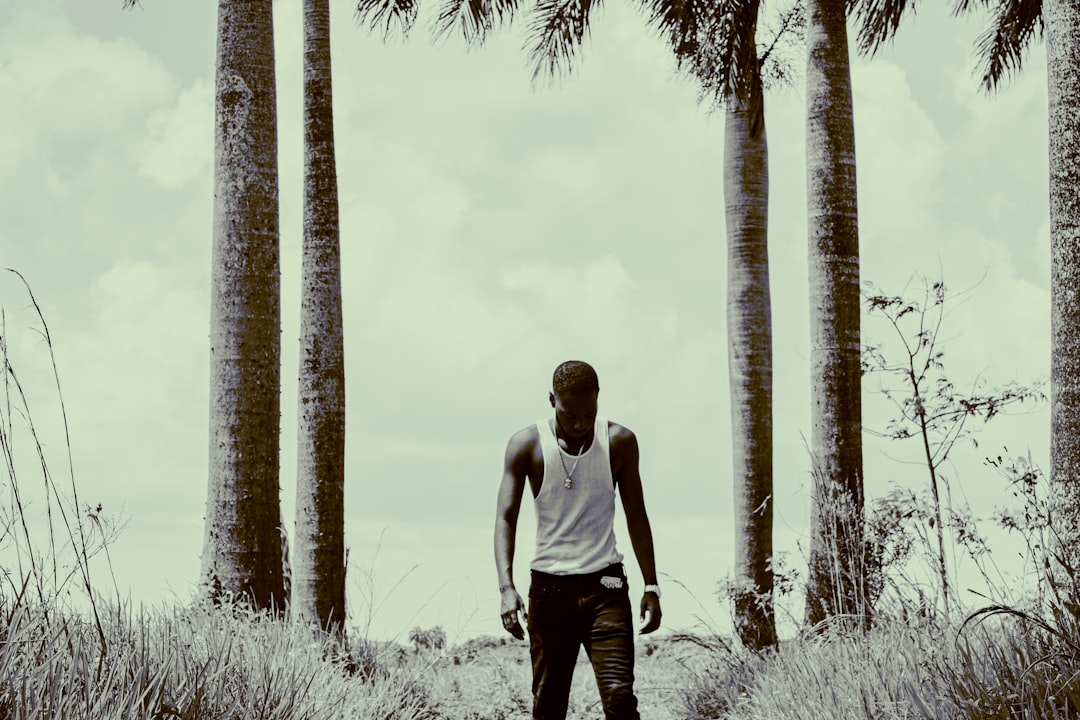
574 447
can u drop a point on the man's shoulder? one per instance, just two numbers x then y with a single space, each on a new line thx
524 439
623 444
620 433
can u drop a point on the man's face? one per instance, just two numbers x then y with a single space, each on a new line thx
575 415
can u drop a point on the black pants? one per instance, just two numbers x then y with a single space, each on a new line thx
570 611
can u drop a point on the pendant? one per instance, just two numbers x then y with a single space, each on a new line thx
568 482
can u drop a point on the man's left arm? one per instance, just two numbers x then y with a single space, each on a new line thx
628 479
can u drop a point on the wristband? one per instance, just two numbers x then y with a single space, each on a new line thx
655 589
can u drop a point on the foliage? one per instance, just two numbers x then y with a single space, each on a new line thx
433 638
846 583
1031 521
723 63
719 680
1022 660
1000 48
931 410
786 579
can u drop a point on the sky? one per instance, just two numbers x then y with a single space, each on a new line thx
491 228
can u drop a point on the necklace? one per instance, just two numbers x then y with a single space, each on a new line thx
569 482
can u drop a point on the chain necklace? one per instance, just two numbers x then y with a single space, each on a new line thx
569 482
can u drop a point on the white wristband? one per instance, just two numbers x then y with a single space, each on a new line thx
653 589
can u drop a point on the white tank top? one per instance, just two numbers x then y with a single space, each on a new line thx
575 526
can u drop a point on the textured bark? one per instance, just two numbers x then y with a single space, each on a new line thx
749 318
319 557
1062 18
835 577
242 550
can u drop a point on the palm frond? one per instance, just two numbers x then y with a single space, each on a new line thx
385 14
558 28
965 6
677 22
1002 46
723 56
474 19
879 20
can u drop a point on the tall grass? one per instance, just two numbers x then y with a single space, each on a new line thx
101 658
1003 661
192 663
45 563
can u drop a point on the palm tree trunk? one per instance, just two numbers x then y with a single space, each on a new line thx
746 198
1062 22
242 549
319 571
835 578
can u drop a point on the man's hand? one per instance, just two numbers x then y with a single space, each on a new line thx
512 604
650 613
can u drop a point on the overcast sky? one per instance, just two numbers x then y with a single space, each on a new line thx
490 230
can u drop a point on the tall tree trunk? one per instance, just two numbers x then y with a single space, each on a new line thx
242 551
1062 22
319 570
749 317
835 577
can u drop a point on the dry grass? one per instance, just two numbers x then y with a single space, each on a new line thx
491 678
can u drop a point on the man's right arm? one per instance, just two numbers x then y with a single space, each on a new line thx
511 489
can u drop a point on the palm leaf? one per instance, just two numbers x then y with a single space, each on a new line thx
557 30
1001 47
473 18
385 14
879 20
724 54
678 22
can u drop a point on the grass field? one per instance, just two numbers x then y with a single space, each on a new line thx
194 664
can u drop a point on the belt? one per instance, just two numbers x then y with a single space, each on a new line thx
550 579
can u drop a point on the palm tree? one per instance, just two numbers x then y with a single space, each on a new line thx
242 551
1063 68
835 575
318 583
749 325
730 71
716 44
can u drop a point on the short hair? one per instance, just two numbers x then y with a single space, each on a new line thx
575 378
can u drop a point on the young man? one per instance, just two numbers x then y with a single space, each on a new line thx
578 595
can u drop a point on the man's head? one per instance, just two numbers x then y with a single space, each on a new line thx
575 377
574 390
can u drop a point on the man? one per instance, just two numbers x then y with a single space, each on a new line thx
578 595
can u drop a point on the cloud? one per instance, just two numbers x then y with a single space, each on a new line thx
900 154
176 146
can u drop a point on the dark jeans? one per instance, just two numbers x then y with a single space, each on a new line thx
568 611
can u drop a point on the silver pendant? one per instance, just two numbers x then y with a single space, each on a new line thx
568 482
